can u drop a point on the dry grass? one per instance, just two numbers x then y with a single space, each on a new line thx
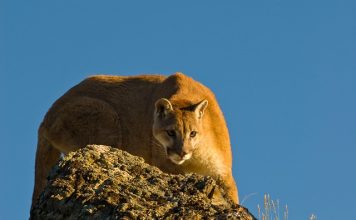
312 217
271 210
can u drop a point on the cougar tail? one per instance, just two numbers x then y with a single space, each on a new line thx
46 157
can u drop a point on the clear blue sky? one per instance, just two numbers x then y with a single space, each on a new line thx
284 73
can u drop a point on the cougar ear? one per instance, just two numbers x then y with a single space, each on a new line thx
162 107
200 108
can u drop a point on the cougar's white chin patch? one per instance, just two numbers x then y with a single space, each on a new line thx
176 160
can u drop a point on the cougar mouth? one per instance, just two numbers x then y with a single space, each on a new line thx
176 158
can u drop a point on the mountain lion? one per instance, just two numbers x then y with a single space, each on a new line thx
174 123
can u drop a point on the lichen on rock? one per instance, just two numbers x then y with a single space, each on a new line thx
100 182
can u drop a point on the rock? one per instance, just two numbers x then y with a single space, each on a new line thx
100 182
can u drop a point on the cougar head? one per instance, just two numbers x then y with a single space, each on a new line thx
178 130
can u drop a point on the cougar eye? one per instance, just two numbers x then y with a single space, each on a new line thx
193 134
171 133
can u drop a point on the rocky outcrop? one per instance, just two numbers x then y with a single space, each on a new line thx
100 182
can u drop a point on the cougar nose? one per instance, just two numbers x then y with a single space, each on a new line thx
183 153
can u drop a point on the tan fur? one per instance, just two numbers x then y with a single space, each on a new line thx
165 120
